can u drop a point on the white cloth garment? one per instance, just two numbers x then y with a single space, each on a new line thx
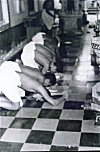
28 55
38 38
10 82
57 4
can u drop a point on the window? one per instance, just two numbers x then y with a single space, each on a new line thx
19 6
4 17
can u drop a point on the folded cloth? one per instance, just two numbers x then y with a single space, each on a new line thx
38 38
10 82
28 55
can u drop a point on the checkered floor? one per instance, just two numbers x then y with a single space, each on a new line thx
38 126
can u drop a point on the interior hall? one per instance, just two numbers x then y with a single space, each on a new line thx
49 75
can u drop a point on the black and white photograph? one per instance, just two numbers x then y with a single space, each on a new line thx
49 75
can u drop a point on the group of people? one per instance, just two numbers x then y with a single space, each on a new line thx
33 71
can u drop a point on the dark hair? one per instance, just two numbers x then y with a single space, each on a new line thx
48 5
51 77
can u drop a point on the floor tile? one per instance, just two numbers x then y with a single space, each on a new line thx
33 104
73 105
90 139
22 123
5 121
62 138
62 148
77 97
80 77
69 125
45 124
40 137
2 130
78 89
68 76
72 114
89 114
10 147
35 147
50 114
28 112
77 83
90 127
15 135
46 105
4 112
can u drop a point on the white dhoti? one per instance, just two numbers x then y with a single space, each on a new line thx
10 82
28 55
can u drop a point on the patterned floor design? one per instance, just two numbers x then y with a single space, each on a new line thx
38 126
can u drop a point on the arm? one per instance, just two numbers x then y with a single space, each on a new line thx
34 85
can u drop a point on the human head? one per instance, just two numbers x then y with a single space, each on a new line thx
50 79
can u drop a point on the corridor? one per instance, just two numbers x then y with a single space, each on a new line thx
38 126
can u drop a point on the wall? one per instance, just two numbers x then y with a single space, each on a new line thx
17 32
17 18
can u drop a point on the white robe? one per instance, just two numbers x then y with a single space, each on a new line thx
28 55
10 82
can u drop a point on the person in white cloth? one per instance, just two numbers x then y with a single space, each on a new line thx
47 45
14 82
34 55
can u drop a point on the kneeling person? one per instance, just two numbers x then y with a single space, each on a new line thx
14 82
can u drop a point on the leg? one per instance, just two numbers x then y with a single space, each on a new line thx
7 104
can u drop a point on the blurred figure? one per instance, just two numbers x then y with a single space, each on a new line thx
85 22
48 15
